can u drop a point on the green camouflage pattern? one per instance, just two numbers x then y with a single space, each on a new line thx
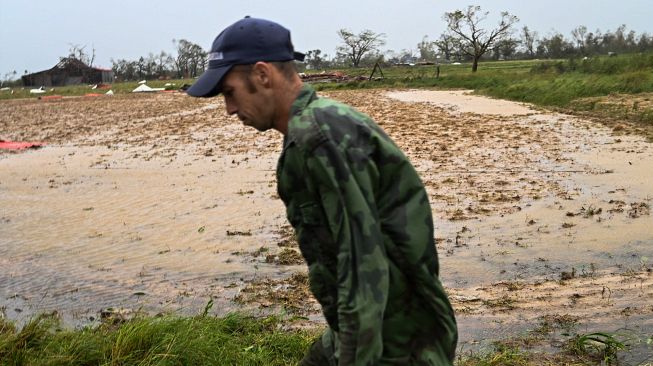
364 225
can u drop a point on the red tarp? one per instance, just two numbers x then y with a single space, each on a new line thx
15 145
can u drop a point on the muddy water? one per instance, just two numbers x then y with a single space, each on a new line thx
90 228
158 202
595 216
587 214
462 101
599 223
575 205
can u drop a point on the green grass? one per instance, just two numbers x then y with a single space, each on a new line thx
238 339
528 350
203 340
598 346
544 83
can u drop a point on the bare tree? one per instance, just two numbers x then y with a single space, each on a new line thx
476 41
79 52
8 78
357 45
579 35
528 39
191 58
161 64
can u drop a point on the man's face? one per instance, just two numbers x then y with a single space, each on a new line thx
246 99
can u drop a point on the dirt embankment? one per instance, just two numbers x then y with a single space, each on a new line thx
160 202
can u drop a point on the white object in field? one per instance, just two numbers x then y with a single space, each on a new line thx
110 92
40 90
144 89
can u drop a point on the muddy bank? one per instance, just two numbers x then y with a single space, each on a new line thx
160 202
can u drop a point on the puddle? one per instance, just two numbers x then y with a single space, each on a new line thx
462 101
75 232
601 222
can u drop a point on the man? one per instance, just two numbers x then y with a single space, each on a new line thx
359 209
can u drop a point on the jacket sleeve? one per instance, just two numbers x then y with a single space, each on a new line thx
345 190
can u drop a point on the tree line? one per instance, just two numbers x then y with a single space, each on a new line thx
189 62
468 38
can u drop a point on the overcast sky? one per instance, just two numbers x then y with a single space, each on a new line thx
35 33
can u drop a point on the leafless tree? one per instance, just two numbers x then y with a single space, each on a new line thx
191 58
79 52
8 78
579 34
474 39
528 39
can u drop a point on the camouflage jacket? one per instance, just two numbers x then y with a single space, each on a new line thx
364 225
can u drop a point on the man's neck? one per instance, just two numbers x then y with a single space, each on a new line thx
285 100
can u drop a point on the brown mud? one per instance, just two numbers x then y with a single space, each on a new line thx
160 202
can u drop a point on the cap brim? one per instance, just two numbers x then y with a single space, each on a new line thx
208 84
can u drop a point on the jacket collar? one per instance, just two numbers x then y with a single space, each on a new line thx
306 95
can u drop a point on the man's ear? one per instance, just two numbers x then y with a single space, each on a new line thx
262 74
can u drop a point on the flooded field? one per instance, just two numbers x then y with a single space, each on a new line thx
161 202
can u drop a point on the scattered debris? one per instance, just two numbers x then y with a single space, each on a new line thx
332 77
101 86
639 209
146 89
287 257
39 90
239 233
291 293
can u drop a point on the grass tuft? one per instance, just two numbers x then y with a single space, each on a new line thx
597 346
232 340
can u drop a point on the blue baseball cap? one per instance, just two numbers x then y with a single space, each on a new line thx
245 42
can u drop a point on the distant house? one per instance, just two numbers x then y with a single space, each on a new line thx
69 71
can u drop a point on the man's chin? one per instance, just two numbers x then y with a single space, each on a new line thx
259 127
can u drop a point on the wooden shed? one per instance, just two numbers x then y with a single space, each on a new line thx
69 71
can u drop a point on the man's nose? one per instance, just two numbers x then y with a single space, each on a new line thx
231 107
